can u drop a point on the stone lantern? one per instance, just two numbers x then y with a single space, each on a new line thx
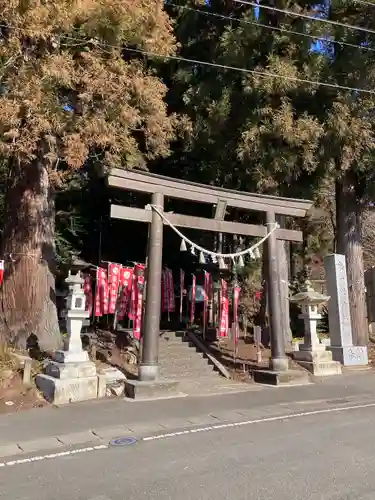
75 315
312 355
70 376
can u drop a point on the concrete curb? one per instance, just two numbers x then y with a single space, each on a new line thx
103 435
139 430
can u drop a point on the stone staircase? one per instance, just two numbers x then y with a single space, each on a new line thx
180 360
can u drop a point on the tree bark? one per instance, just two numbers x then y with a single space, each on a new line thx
27 296
349 243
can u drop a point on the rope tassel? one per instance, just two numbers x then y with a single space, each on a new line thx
222 263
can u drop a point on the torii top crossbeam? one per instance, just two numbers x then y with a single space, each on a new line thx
134 180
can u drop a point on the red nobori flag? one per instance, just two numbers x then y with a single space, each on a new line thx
236 301
87 288
132 305
101 295
207 294
171 295
1 271
224 310
139 284
168 303
126 280
114 279
192 301
164 291
182 288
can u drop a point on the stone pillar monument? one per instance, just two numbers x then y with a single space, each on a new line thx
313 355
71 376
340 326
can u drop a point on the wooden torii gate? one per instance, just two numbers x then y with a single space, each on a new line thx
159 187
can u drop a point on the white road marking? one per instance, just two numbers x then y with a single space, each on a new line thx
196 430
257 421
53 455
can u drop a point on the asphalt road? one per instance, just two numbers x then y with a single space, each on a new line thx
321 456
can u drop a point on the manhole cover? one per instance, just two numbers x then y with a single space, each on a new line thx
123 441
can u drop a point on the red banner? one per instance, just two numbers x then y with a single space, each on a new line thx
132 306
101 295
139 272
168 303
114 280
207 282
182 289
1 271
192 299
87 288
236 301
126 281
171 295
224 310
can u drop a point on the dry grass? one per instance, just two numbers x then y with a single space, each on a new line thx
8 363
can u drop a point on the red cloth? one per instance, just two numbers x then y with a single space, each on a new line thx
224 310
126 281
114 280
1 271
139 288
87 288
236 300
101 295
182 288
207 294
192 303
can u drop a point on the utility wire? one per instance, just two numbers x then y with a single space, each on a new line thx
249 71
262 74
306 16
273 28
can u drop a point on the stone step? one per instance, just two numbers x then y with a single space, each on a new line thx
176 343
196 362
288 377
173 336
187 366
188 374
183 370
179 358
178 355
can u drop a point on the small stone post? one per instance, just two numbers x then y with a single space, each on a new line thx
340 325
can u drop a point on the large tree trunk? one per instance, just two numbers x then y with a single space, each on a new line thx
27 296
349 243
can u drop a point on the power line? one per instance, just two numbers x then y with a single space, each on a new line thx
305 16
273 28
263 74
248 71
